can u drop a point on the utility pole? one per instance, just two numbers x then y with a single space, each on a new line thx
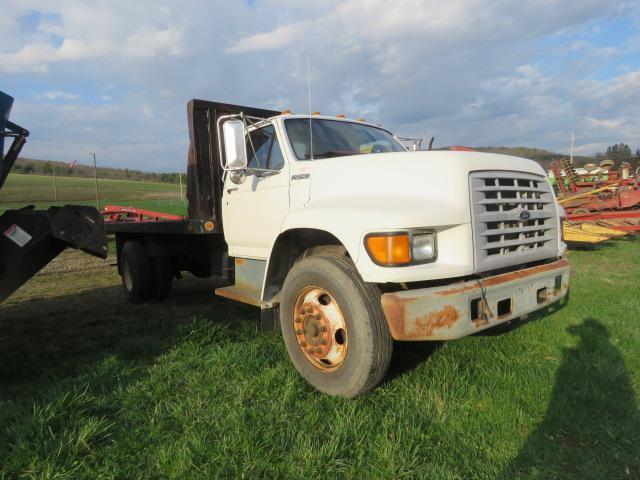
95 176
180 181
573 138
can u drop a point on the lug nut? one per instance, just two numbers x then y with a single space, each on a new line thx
309 309
318 350
324 328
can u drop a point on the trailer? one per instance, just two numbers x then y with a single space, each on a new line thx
346 240
31 238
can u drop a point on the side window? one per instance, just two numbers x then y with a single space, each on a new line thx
258 147
276 159
265 152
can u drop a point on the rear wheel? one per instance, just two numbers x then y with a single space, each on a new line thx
333 326
162 274
135 270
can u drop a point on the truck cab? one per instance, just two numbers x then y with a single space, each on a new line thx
348 241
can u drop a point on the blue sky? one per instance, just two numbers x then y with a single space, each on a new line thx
114 76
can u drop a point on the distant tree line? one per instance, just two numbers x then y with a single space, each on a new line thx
44 167
619 153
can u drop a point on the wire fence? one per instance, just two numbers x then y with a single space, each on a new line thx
44 191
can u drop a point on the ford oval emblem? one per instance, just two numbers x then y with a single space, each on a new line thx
525 215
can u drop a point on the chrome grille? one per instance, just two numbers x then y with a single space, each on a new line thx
514 218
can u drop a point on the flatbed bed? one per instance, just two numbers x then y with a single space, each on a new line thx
187 226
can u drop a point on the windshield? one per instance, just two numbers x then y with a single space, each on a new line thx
334 138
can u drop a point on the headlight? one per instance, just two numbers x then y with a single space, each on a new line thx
397 249
423 247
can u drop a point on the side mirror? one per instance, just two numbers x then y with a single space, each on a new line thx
235 149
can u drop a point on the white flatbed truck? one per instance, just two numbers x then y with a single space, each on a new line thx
346 240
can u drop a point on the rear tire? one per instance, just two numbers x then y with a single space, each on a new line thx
135 270
333 326
162 274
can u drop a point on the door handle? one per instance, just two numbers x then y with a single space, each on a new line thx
229 190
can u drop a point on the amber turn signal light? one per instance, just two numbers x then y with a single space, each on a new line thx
389 249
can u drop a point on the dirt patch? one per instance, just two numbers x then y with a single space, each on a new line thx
76 261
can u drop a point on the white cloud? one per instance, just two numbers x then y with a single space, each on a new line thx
55 95
149 43
87 32
279 38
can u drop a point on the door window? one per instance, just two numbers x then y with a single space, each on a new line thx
263 150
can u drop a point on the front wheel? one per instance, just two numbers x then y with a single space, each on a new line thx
333 326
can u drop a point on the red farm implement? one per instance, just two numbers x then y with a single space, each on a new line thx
598 203
116 213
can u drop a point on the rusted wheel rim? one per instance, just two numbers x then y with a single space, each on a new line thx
320 328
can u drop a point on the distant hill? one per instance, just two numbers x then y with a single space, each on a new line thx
63 169
543 157
45 167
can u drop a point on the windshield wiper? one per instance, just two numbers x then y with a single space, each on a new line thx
335 153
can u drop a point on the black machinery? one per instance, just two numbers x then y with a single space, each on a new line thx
29 238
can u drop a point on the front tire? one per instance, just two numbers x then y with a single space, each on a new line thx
333 326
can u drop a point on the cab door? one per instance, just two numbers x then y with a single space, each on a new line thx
253 211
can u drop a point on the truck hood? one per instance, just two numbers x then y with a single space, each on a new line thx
403 189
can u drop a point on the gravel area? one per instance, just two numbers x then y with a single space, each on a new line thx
76 260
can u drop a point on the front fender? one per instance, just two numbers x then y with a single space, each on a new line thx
350 221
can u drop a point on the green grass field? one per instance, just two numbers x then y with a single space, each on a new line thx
21 190
94 387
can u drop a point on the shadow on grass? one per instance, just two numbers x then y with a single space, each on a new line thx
409 355
592 425
56 335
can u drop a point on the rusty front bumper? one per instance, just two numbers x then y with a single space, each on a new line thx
454 311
